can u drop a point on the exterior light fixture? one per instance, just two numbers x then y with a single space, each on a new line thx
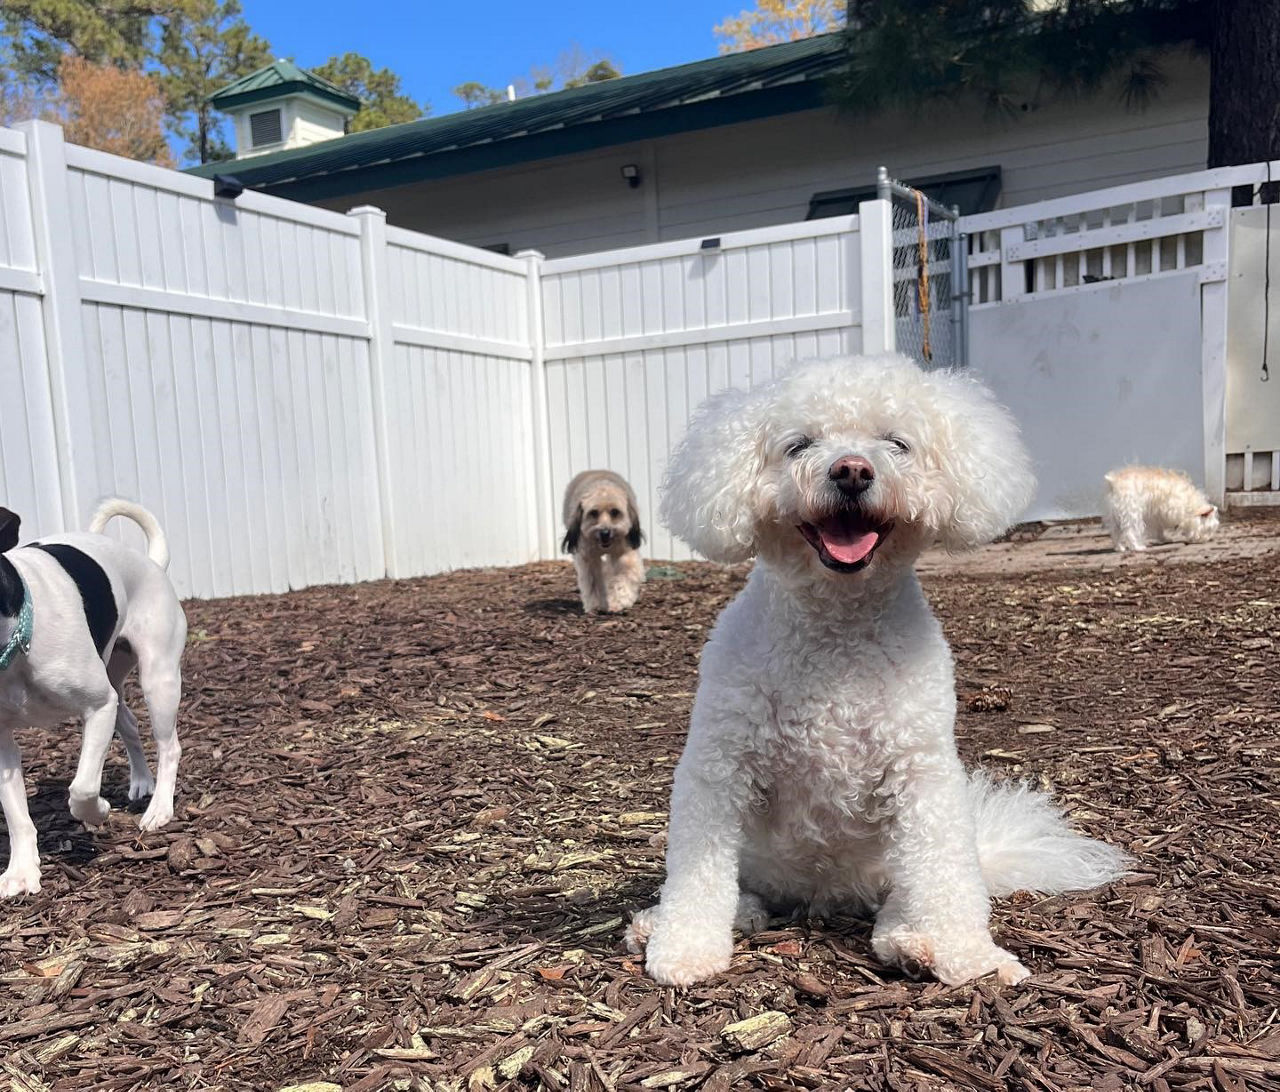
632 174
228 186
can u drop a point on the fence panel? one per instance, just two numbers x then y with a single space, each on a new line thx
29 478
225 379
460 416
636 339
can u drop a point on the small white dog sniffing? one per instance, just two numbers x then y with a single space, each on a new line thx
77 613
821 765
1153 504
602 532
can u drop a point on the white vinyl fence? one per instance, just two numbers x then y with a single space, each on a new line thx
304 397
1102 320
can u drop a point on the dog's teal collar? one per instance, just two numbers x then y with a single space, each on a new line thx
20 638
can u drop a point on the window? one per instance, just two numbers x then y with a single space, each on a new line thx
264 128
972 191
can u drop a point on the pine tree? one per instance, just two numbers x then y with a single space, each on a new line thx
378 90
202 49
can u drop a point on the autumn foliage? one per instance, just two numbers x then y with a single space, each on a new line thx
772 22
112 109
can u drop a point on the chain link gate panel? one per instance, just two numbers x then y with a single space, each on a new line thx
929 276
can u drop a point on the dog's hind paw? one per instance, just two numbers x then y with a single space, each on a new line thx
141 786
637 933
157 815
20 881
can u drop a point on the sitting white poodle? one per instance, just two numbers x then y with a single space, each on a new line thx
821 764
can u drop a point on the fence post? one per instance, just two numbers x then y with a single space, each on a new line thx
875 226
373 267
1013 273
544 521
1213 345
61 305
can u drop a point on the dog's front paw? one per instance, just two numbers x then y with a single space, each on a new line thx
20 880
92 811
681 956
951 963
158 813
965 966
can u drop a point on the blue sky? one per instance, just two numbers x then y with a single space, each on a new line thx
434 46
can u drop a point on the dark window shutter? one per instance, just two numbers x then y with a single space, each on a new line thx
264 128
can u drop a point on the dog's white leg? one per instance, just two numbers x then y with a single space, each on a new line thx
22 877
691 937
85 797
162 687
141 783
937 913
586 585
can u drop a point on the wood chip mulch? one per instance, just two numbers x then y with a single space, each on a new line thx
413 817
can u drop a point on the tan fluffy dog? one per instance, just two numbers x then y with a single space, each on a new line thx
602 531
1151 504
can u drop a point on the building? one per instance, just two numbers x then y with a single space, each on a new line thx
737 141
282 107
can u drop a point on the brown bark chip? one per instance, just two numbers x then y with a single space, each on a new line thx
413 818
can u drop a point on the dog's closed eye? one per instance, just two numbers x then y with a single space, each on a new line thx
798 445
900 445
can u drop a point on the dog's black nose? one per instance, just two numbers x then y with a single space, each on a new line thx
852 474
605 536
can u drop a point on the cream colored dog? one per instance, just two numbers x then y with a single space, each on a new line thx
602 531
1151 504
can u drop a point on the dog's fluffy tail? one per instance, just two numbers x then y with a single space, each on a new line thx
1025 843
157 544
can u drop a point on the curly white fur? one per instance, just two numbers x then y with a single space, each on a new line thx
1154 504
821 764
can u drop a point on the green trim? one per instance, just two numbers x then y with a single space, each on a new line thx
284 90
714 91
313 185
20 639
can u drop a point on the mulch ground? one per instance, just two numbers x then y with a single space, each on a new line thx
413 817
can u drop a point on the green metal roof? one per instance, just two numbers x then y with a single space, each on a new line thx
277 79
718 91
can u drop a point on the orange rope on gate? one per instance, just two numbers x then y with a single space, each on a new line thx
922 275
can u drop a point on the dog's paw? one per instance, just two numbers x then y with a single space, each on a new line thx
141 785
915 953
158 813
681 958
92 811
638 931
20 880
751 916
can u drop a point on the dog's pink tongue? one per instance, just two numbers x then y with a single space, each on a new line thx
845 544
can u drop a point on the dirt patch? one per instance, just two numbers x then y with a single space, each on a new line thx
414 815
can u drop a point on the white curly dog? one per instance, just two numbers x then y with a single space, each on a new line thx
821 765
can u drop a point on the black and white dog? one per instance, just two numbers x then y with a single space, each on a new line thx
77 613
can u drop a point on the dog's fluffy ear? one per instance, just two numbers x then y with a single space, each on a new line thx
635 536
986 465
9 523
573 532
710 493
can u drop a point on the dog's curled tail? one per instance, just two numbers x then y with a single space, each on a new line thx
1025 843
157 544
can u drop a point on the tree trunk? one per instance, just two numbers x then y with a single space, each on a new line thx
1244 82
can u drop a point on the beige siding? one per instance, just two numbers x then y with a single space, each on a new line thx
764 172
312 123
